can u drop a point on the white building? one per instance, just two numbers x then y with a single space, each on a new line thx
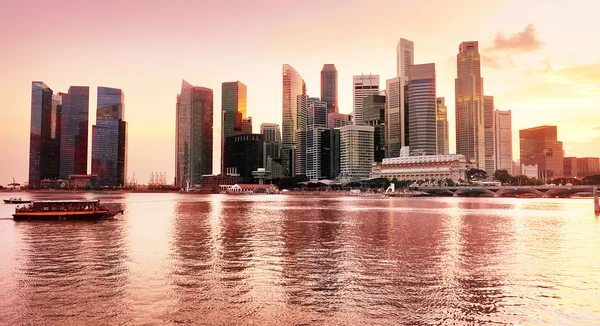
317 123
531 171
503 139
363 86
356 151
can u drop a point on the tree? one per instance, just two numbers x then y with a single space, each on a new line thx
502 176
476 174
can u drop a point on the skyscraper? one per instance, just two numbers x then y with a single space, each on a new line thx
503 140
109 139
194 134
443 147
422 109
74 131
404 58
363 86
329 87
374 115
488 130
272 138
300 146
44 139
293 86
336 120
356 151
539 145
244 154
470 136
316 124
233 111
330 153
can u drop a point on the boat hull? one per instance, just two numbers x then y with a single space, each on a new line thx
8 201
53 216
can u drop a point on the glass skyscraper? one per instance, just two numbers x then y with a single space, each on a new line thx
194 134
422 107
442 127
233 111
74 131
44 139
293 86
109 140
329 87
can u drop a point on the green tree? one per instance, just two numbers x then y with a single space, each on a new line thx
476 174
502 176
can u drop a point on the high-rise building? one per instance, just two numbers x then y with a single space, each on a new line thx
316 124
244 154
374 115
329 87
422 105
587 166
336 120
272 137
194 134
44 139
468 85
363 86
404 58
503 140
233 111
443 147
109 139
488 131
356 151
300 146
539 145
330 153
293 86
74 131
570 166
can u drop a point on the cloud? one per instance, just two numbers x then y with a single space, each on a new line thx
525 41
585 78
496 62
597 128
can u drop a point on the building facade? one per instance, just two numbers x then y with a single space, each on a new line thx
330 153
539 145
356 151
488 131
293 86
587 166
244 154
438 167
272 137
503 140
301 136
44 139
194 134
233 111
336 120
422 109
109 139
74 131
329 87
316 124
363 86
570 166
374 115
441 116
468 85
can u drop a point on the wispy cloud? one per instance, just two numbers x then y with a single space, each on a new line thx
525 41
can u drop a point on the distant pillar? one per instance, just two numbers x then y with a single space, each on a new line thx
596 203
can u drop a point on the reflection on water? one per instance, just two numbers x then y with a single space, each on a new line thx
193 259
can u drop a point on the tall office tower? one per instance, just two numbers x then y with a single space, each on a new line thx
503 140
363 86
570 166
329 87
109 139
44 139
330 153
443 147
488 130
468 86
233 111
300 146
316 124
336 120
356 151
293 85
404 58
194 134
374 115
422 138
244 154
272 137
539 145
75 109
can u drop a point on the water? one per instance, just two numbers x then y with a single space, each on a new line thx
176 259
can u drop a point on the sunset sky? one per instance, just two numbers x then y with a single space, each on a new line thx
541 60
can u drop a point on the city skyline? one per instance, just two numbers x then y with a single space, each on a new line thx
529 67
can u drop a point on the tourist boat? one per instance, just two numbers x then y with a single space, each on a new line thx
64 210
16 200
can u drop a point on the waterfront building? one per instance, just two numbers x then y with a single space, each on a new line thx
468 85
356 151
363 86
422 105
570 166
330 153
233 111
488 131
503 140
44 139
293 86
300 146
423 167
336 120
316 124
194 134
329 87
275 168
374 115
109 139
441 116
244 154
587 166
75 106
272 137
539 145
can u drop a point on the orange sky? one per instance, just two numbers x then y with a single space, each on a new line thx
539 60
